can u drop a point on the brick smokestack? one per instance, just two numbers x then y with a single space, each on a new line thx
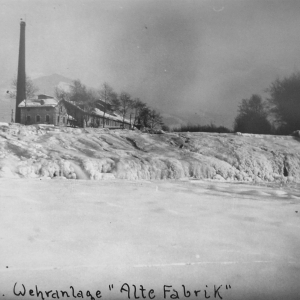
21 81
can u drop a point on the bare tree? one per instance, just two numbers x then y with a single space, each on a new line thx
138 107
108 96
284 103
81 96
78 92
61 94
155 119
115 104
88 108
126 104
90 103
145 116
31 88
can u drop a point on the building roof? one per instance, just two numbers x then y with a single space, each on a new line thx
43 96
103 106
40 102
111 116
70 105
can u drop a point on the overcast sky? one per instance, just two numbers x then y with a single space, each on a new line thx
175 55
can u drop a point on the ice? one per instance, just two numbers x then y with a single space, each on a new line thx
90 234
77 153
149 209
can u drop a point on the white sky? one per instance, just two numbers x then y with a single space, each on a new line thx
177 56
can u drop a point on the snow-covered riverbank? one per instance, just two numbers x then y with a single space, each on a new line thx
39 151
126 229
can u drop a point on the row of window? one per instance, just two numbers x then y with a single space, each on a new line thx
38 118
47 119
47 109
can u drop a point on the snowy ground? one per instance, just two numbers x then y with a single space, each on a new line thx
201 234
118 221
38 151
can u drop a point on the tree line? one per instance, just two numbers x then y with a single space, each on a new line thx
202 128
138 112
278 114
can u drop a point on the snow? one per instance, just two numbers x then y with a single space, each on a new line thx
36 151
91 234
107 217
66 87
113 116
39 102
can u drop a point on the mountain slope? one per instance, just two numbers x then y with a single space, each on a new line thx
47 84
196 118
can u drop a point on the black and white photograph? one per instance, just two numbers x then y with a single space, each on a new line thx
150 149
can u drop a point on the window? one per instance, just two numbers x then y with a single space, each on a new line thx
38 118
47 109
64 120
28 119
61 108
28 109
107 122
47 118
57 119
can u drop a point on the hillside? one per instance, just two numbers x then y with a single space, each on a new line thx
47 84
199 117
74 153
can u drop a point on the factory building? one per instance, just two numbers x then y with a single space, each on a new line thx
43 110
48 110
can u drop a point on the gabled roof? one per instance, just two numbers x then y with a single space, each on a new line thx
100 104
43 96
112 116
95 112
40 102
71 105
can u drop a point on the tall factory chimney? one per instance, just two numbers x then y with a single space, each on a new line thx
21 80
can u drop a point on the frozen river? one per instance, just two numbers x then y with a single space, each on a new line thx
148 240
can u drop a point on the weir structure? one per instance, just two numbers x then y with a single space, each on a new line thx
21 80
